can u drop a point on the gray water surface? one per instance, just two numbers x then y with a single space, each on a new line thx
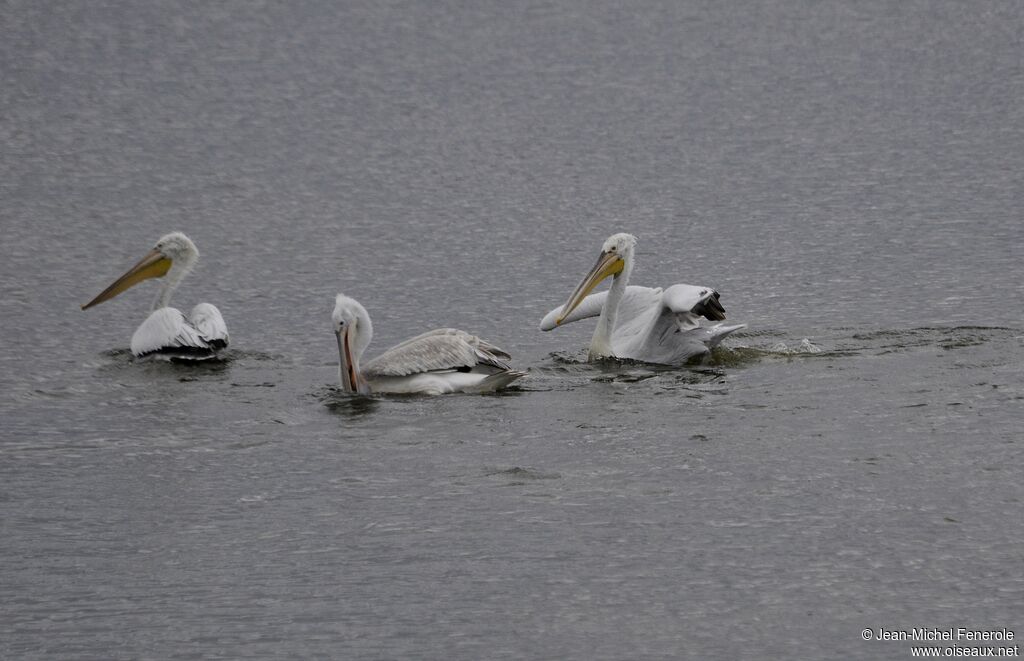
847 175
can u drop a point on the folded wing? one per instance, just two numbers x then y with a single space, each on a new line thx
207 320
167 332
441 349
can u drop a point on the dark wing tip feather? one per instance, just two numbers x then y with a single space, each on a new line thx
710 308
493 359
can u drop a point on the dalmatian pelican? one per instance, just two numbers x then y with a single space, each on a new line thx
166 332
440 361
641 323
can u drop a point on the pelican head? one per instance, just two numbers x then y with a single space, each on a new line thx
354 331
615 259
172 250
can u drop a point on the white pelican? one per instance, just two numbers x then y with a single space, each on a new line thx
167 332
434 363
641 323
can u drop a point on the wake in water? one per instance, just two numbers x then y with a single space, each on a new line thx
712 373
841 343
736 353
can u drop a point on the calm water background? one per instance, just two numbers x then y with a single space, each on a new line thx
847 175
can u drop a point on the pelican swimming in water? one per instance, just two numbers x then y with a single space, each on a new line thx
641 323
167 332
434 363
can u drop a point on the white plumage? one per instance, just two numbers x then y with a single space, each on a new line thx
641 323
436 362
170 333
167 332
